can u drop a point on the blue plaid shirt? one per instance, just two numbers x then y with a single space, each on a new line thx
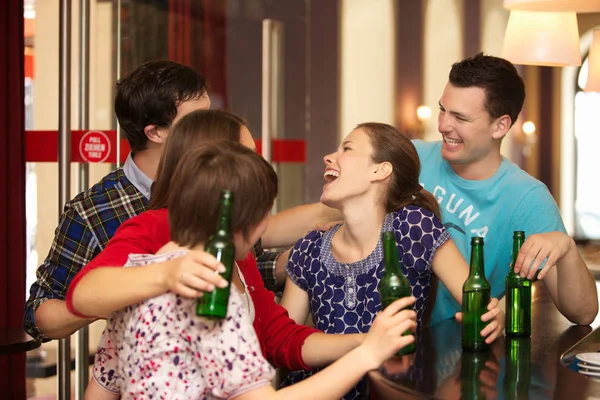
86 225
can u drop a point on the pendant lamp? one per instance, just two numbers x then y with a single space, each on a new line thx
578 6
542 38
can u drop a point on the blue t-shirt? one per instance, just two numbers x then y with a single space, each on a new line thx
511 200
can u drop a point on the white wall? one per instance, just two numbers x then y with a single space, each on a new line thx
367 63
567 142
494 18
443 47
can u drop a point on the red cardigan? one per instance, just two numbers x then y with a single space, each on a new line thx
280 338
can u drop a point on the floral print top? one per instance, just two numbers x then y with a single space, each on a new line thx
159 348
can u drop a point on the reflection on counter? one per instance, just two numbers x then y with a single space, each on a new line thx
513 368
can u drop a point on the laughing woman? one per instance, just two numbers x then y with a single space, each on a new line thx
373 180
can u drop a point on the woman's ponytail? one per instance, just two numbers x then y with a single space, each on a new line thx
389 145
424 199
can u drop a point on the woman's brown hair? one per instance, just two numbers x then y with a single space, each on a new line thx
192 129
389 145
198 181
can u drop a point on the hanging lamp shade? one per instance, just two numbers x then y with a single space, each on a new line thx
578 6
542 38
593 78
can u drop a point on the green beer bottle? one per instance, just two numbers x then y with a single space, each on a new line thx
476 297
517 352
393 285
220 245
518 295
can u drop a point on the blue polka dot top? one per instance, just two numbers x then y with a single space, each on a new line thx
344 298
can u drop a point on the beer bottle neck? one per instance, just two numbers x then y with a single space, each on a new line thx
224 223
517 243
477 260
390 257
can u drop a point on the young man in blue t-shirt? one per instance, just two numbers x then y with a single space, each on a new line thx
483 194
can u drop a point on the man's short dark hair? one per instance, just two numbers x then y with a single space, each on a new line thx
151 94
504 88
200 177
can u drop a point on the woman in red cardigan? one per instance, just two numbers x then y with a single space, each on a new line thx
100 289
160 348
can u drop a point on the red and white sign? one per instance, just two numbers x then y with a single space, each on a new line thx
94 147
101 146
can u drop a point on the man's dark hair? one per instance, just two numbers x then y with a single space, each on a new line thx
504 88
151 94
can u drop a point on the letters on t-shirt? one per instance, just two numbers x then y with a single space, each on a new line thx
467 214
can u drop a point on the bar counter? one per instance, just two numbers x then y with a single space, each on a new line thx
15 340
540 367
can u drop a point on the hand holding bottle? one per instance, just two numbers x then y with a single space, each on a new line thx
495 316
550 246
476 300
518 295
496 319
193 274
385 337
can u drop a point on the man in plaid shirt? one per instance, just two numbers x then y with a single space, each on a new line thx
148 103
